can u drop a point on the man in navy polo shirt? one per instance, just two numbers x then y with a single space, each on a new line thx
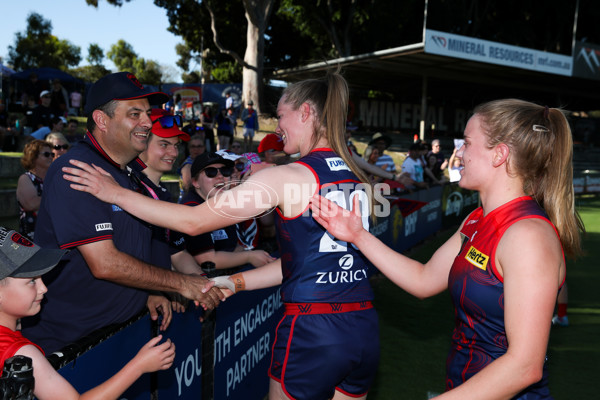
104 277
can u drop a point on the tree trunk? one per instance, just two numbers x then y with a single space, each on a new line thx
252 83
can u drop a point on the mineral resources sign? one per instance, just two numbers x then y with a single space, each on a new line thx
468 48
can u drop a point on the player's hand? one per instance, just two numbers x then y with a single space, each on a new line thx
202 292
343 224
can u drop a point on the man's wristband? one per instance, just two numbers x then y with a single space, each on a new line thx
238 281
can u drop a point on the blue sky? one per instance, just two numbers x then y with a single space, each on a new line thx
139 22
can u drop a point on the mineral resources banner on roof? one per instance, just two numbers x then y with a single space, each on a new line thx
468 48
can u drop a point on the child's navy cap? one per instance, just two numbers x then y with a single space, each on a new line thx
21 258
120 86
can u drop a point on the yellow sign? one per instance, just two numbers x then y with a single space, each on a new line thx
477 258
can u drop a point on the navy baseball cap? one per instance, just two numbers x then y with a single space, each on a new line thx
206 159
120 86
21 258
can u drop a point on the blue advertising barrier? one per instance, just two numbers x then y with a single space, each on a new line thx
244 334
227 356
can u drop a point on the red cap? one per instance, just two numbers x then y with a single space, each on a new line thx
270 142
158 130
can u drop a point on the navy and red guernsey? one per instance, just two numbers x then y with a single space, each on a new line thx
317 267
328 338
477 291
77 303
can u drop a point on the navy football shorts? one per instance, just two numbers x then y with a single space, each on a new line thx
316 354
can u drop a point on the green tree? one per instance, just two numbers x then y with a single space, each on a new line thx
212 29
37 47
90 73
125 58
95 54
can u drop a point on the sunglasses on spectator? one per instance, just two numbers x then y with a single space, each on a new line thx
61 146
211 172
168 121
240 166
48 154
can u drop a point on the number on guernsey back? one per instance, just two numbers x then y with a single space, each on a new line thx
328 243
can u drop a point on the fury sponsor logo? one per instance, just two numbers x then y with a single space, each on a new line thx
336 164
477 258
107 226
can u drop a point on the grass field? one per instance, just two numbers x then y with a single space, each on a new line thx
415 334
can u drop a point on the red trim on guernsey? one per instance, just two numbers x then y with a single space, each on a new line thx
287 356
350 394
325 308
101 150
85 241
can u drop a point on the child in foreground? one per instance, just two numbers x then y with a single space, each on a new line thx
22 263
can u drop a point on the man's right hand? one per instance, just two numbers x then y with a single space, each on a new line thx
202 291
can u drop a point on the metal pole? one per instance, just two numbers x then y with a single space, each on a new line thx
424 81
575 28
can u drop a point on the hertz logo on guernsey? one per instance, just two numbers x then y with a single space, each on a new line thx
477 258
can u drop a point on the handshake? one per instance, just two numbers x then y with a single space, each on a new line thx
234 283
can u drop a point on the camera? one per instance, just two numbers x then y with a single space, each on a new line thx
17 381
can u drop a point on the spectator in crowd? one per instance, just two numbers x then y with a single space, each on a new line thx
33 88
414 167
8 131
382 142
236 148
60 144
247 231
211 172
372 155
168 247
207 121
29 120
21 293
454 167
224 130
372 169
316 353
60 98
250 124
192 128
441 162
43 113
195 147
71 130
57 125
75 100
232 117
271 150
178 106
505 264
37 157
228 101
106 276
